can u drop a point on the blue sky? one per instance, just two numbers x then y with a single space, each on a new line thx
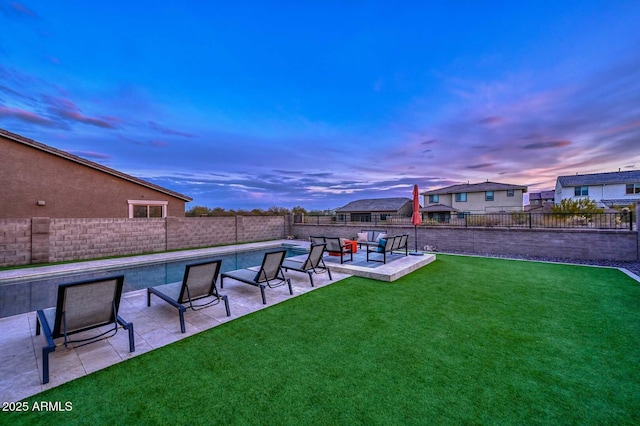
258 104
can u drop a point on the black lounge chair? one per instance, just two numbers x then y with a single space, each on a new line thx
199 281
80 307
270 274
382 249
336 247
313 263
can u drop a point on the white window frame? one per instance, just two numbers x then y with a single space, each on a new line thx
147 203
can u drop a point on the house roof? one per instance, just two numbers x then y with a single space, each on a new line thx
438 208
376 205
79 160
542 195
474 187
632 176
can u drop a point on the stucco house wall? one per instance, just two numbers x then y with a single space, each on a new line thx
36 182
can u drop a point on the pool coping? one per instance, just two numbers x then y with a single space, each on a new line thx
36 272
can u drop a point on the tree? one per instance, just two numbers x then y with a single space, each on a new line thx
580 206
298 210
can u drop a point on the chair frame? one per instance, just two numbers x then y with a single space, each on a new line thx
185 298
309 266
404 243
343 249
261 280
59 328
387 249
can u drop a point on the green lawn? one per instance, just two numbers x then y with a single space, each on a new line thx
463 340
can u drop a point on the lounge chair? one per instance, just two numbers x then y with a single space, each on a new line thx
313 263
383 247
80 307
270 274
337 248
199 281
317 240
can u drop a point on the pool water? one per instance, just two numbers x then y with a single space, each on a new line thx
27 296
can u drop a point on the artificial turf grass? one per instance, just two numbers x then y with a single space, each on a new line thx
463 340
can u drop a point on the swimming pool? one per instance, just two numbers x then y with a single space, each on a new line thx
18 296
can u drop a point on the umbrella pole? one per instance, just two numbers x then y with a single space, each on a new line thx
416 252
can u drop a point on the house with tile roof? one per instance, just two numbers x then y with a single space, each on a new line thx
37 180
379 208
613 189
478 198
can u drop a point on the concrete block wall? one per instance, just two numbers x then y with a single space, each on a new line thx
582 244
44 240
260 228
191 232
15 242
72 239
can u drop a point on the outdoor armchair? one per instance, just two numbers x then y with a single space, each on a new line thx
199 282
313 263
404 244
336 247
269 275
82 306
384 246
317 240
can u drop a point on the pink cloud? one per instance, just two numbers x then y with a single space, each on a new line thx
26 116
66 109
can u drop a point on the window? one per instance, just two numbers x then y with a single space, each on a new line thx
633 188
461 197
144 208
510 192
488 196
581 191
434 198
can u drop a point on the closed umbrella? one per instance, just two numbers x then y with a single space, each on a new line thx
416 218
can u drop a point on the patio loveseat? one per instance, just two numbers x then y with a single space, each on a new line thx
370 237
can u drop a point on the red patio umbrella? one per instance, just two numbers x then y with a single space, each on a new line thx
416 217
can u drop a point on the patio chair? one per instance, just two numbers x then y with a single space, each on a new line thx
313 263
270 274
80 307
317 240
199 282
382 248
335 247
404 244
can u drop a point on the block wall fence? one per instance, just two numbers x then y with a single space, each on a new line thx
557 243
44 240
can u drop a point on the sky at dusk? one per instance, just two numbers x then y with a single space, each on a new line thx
246 105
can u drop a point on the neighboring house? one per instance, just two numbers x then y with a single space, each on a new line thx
541 202
606 189
485 197
379 208
37 180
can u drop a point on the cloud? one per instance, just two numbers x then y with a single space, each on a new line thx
480 166
14 9
91 154
167 131
67 110
26 116
546 145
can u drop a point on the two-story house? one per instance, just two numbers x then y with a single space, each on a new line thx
541 202
606 189
485 197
